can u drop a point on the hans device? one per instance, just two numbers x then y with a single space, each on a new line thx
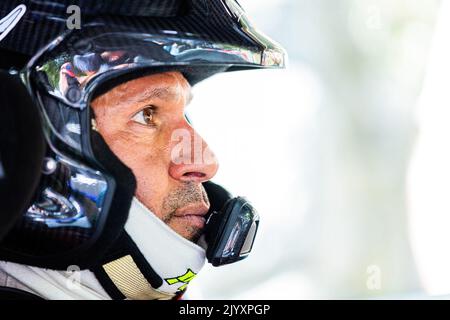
230 232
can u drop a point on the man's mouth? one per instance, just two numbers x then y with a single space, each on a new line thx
193 214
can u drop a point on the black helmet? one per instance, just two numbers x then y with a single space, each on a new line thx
82 192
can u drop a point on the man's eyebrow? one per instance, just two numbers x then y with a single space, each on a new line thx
163 93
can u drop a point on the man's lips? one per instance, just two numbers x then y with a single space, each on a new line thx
198 209
193 215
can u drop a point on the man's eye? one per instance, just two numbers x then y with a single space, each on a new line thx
145 116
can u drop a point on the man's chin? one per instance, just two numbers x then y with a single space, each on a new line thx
189 227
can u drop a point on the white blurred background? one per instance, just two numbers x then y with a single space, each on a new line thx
344 153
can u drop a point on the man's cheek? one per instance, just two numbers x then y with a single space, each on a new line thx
121 146
135 156
151 191
147 187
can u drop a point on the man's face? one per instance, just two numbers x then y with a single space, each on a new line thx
143 122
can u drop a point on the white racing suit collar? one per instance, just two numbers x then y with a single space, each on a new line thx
175 259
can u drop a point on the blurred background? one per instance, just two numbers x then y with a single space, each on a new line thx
344 153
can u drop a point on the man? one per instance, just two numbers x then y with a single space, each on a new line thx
122 207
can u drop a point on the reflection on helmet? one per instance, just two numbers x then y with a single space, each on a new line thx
66 213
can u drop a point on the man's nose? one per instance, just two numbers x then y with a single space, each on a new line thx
191 157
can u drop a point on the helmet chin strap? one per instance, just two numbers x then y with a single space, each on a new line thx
149 260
